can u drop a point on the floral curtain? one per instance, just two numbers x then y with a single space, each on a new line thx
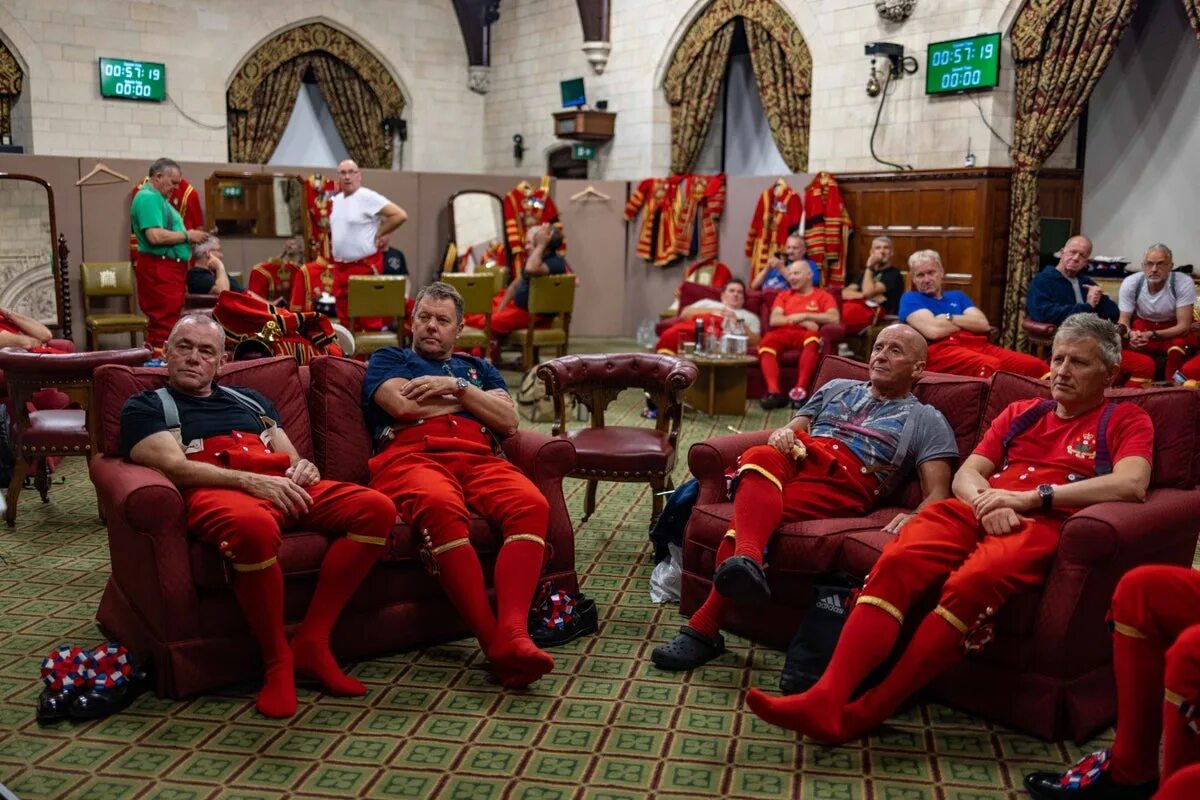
10 87
693 98
1061 48
254 133
784 90
1193 11
356 112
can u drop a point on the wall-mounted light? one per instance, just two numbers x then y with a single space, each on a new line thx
518 146
873 87
899 64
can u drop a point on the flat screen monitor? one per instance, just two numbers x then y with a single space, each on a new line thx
963 64
572 93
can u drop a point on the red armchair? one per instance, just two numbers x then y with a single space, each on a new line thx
168 597
1049 670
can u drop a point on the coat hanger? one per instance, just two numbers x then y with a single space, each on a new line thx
101 167
590 191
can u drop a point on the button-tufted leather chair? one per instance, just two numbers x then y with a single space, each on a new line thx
617 452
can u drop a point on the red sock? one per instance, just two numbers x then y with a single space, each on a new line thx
757 510
344 567
1138 665
260 594
769 363
709 617
808 364
1181 745
935 647
516 660
461 578
865 641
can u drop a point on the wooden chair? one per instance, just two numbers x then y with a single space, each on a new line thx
616 452
377 296
548 295
1040 336
110 279
476 291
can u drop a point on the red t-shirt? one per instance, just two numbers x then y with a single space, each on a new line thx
815 302
1056 450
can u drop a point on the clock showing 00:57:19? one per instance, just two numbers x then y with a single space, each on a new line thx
133 80
963 64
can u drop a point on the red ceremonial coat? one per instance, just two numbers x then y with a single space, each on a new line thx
656 238
524 207
777 215
827 228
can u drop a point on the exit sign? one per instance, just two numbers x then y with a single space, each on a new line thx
583 152
232 190
133 80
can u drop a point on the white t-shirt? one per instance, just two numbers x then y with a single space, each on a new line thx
1158 307
751 321
354 223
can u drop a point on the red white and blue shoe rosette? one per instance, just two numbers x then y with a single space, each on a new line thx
104 667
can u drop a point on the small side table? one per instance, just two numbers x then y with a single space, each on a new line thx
720 388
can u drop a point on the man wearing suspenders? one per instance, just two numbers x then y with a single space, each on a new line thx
1040 461
243 483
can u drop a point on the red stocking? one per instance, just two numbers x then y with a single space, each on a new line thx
1138 665
516 659
769 363
709 617
757 510
260 594
461 578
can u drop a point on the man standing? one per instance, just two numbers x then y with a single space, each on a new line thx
728 314
1036 465
243 483
796 319
360 223
877 292
435 415
164 250
774 276
1157 307
957 331
843 452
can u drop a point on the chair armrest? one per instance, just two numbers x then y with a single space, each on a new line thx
1108 534
141 496
547 460
709 460
831 335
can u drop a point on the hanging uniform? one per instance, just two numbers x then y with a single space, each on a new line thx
827 227
777 215
272 280
698 204
654 197
525 207
318 192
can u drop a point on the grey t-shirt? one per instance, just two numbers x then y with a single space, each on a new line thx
871 427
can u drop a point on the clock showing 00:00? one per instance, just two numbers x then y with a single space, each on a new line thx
963 64
132 80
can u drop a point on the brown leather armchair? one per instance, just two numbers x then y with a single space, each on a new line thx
618 452
1040 336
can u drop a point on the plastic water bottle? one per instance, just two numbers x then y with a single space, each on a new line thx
712 345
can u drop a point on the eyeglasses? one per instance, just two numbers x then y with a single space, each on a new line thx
1155 263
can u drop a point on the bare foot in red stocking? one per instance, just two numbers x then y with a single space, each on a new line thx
808 713
314 660
517 662
277 699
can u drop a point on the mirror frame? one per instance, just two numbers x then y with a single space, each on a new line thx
218 175
499 200
59 253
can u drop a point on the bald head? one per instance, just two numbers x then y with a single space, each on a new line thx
897 358
1075 256
349 177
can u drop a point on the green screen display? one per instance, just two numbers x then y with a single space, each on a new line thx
962 64
132 80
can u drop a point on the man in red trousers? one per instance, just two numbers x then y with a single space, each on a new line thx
244 483
1040 461
1155 619
435 416
796 319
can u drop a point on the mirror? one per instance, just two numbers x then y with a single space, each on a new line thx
31 256
477 226
255 205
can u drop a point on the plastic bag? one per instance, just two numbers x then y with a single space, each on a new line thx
646 337
667 577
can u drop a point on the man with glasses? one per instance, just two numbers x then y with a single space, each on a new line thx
1157 306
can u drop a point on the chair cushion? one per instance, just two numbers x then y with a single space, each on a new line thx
343 444
278 378
101 321
63 431
370 341
541 337
619 449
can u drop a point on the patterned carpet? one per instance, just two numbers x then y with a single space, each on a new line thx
605 724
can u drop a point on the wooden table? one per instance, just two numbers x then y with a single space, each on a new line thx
720 388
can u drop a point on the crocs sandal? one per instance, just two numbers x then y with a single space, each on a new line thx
741 579
688 650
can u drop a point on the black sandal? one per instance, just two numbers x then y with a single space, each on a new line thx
742 580
688 650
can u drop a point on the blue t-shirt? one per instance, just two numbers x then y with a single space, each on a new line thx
555 264
777 280
951 302
392 362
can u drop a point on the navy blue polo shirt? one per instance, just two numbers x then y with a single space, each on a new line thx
393 362
552 262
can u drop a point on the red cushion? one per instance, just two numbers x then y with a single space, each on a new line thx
619 449
343 444
277 378
62 431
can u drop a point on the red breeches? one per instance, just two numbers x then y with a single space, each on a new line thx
808 342
342 271
504 321
672 339
857 316
1142 360
161 290
970 354
827 483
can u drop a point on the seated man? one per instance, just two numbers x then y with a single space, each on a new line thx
839 456
877 291
796 318
1055 294
774 277
243 483
435 416
995 538
510 308
1156 661
728 314
208 274
1157 307
957 330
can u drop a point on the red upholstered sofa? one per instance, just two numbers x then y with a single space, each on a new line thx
1049 670
169 599
760 303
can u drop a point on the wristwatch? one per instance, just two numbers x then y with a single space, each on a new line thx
1154 335
460 387
1046 492
949 317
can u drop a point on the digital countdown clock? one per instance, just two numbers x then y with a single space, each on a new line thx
133 80
963 64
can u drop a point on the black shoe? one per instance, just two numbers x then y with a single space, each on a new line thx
772 400
1087 780
99 703
741 579
688 650
584 622
55 706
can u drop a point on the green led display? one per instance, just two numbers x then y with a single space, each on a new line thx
963 64
133 80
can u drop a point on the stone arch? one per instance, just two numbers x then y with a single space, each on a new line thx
18 50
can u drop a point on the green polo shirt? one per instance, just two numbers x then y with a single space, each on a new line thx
151 210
